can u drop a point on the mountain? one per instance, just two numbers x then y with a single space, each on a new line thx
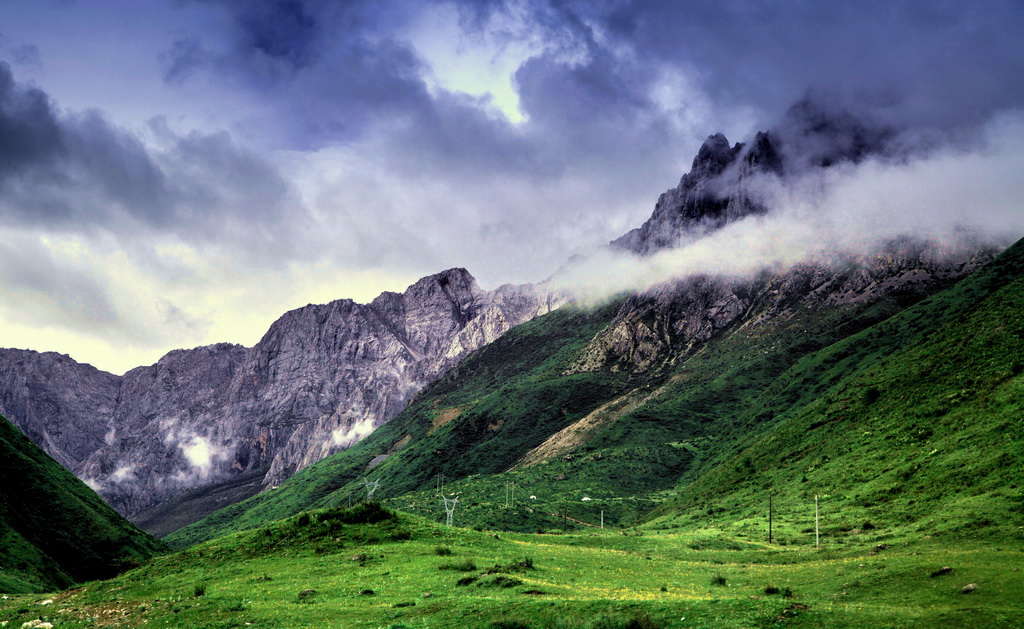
321 378
702 435
911 424
206 427
652 390
54 530
61 405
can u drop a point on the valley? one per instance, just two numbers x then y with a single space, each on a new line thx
830 442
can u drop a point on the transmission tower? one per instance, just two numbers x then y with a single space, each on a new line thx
371 486
449 508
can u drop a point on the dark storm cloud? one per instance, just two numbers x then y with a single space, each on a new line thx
332 71
282 29
599 99
78 171
925 63
29 132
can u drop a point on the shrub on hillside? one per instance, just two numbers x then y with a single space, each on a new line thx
365 513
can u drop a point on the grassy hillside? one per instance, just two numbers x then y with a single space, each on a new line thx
918 429
54 530
644 438
368 567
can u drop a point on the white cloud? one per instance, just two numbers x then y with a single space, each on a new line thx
947 196
344 437
200 453
124 473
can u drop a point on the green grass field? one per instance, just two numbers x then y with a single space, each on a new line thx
314 570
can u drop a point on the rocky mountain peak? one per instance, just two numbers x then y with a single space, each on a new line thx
708 196
814 133
763 155
714 156
62 405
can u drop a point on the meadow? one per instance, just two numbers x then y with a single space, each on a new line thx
368 566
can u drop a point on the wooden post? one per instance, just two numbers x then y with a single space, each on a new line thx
602 518
816 545
769 518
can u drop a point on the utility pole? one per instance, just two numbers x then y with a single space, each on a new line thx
602 518
371 487
816 545
769 518
449 508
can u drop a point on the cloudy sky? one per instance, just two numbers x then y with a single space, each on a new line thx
180 172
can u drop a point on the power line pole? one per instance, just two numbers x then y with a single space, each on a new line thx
449 508
769 518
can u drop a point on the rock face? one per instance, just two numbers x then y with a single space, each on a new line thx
321 378
62 406
671 319
718 189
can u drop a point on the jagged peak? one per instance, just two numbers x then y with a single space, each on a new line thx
213 348
762 154
714 156
452 276
19 355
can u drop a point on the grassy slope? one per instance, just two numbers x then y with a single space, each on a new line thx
54 530
332 568
920 426
508 397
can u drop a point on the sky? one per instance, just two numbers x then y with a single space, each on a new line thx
175 173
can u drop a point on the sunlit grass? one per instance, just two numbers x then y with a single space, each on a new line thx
389 574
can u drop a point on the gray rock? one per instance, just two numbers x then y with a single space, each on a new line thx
63 406
721 186
322 378
670 320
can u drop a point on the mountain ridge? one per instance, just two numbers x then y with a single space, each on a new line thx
322 376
